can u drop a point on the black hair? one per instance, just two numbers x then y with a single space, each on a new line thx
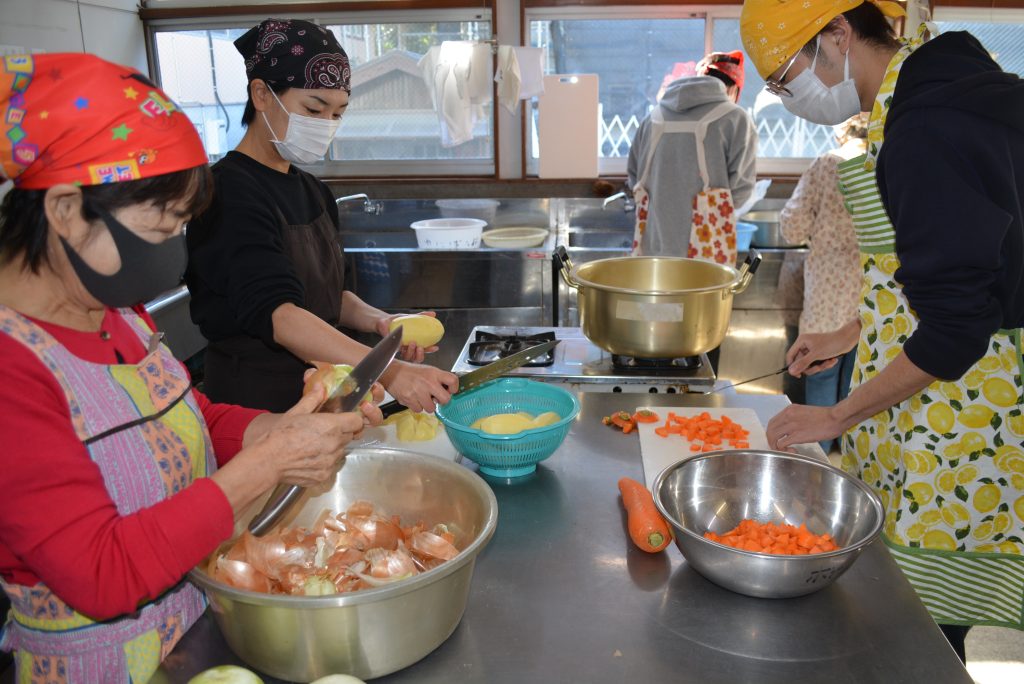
23 224
715 73
249 113
868 24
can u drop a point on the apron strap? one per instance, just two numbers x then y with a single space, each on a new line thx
659 127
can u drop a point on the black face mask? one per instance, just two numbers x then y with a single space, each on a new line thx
147 269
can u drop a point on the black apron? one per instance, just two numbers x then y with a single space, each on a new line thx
243 370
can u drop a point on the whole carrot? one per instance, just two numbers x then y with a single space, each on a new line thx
647 528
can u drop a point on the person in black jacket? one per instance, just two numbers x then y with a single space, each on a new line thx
934 424
265 269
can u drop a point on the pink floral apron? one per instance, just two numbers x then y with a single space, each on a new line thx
713 224
138 419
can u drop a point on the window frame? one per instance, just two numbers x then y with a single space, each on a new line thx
364 169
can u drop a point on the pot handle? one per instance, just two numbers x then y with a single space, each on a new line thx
747 271
564 265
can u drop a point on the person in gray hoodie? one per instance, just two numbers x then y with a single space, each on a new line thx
672 178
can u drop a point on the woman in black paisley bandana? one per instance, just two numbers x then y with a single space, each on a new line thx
265 267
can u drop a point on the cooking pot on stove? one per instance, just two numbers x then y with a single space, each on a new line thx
656 307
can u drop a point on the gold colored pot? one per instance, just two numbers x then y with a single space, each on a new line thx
656 307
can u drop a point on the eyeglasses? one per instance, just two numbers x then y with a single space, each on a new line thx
775 87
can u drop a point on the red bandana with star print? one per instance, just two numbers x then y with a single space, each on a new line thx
75 118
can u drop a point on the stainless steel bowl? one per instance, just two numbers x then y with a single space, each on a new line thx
769 229
716 491
373 632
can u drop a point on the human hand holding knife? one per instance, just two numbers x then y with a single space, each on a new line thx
486 373
818 366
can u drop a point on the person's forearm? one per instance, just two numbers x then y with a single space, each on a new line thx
900 380
313 339
244 479
357 314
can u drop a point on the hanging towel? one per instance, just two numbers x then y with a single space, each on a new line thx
481 83
508 79
531 71
446 72
520 75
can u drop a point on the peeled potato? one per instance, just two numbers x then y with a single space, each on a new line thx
425 331
511 423
413 427
546 418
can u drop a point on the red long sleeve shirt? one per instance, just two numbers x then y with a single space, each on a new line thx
59 526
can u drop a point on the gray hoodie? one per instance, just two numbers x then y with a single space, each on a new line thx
673 182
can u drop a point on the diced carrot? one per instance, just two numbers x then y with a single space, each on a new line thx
695 447
750 535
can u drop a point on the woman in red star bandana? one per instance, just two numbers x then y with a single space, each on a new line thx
118 477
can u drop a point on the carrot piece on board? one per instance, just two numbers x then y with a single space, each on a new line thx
647 528
645 416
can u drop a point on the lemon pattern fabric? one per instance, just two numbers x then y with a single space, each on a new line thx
948 463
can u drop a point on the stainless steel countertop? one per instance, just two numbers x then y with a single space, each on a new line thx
561 595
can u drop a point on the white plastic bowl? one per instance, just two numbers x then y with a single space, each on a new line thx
483 209
449 233
515 237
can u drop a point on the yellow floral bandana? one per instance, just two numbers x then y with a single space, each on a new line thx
775 30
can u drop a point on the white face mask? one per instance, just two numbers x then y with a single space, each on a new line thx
307 138
816 102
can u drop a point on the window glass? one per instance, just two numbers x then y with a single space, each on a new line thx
779 133
1004 41
391 115
632 59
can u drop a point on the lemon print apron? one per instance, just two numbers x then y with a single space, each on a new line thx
948 463
145 432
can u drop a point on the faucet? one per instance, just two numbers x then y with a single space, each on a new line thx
627 203
369 206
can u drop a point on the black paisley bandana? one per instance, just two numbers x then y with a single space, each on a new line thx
295 53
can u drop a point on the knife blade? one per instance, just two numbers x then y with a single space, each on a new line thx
768 375
345 397
483 374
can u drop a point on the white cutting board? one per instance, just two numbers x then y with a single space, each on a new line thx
386 436
567 126
660 452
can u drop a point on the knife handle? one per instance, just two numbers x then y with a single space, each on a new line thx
391 408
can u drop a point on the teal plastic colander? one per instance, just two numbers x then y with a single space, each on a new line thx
508 455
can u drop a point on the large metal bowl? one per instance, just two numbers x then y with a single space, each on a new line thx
716 491
373 632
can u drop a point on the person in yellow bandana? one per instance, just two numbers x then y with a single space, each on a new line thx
934 421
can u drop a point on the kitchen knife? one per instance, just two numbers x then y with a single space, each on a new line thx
483 374
345 397
767 375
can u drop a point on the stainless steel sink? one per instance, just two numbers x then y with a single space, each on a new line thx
600 239
378 239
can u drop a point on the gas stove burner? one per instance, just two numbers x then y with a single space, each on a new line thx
489 347
641 365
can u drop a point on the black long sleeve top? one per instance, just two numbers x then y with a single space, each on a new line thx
238 271
951 176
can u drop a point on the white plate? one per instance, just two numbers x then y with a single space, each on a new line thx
515 237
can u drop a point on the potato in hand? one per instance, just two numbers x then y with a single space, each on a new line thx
425 331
